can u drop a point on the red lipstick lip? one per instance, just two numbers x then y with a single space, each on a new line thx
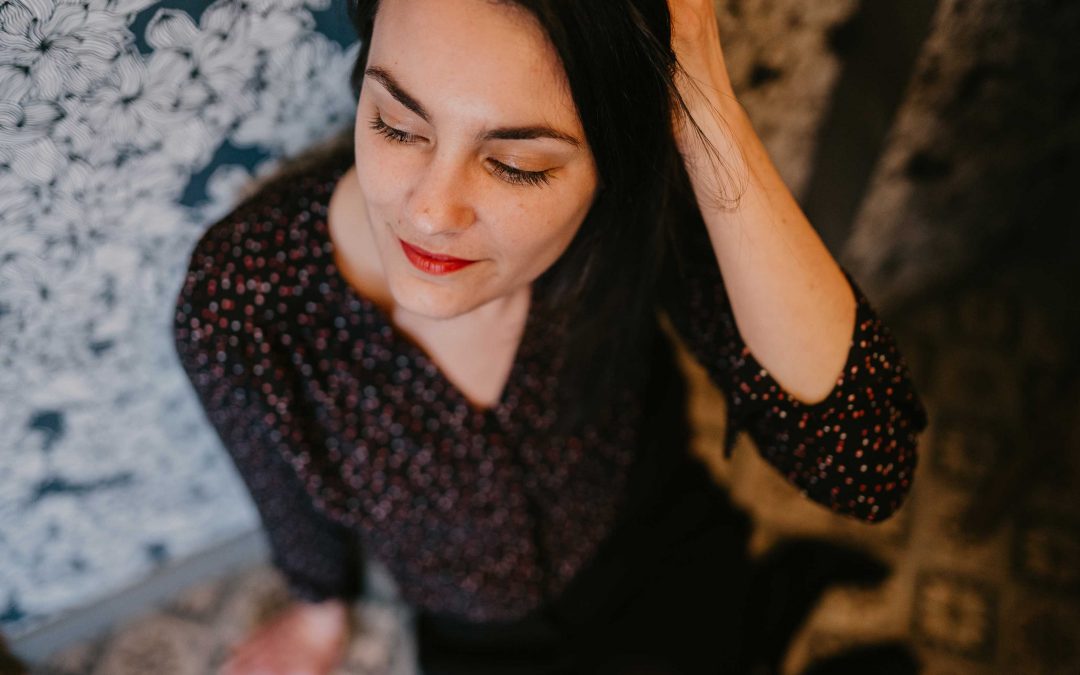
435 256
432 263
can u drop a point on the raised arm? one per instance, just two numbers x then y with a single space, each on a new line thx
809 368
791 301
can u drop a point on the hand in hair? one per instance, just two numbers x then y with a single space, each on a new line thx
695 38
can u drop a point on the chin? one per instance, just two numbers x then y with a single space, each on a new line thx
437 312
413 298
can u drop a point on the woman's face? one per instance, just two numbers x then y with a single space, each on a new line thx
468 145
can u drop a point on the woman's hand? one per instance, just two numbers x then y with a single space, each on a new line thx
695 37
305 639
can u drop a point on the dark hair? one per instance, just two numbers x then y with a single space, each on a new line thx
604 288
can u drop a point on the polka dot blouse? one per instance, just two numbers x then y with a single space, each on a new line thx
349 438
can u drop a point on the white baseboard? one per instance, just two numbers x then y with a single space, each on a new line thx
88 623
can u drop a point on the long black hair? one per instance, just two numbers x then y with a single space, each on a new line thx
621 69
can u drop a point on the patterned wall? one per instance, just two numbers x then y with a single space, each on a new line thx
126 126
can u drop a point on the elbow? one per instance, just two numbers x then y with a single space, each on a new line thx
872 509
883 485
878 513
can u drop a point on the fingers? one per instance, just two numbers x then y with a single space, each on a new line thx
303 640
274 652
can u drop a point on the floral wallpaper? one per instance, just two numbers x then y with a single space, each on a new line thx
126 128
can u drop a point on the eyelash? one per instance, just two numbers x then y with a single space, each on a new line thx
507 173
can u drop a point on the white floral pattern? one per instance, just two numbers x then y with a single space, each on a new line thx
107 465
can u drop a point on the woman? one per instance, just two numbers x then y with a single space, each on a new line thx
444 350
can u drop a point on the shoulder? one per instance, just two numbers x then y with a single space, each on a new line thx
255 247
273 215
298 186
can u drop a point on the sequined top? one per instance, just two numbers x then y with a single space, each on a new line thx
349 437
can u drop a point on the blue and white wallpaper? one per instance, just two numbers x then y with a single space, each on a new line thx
126 128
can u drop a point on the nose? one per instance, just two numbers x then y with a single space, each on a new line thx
439 202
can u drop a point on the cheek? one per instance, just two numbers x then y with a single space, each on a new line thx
381 182
536 232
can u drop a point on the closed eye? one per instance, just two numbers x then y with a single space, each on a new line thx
396 135
507 173
519 177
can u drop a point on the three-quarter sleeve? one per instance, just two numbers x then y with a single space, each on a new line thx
856 450
319 558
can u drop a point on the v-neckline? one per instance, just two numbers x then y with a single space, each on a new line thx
398 337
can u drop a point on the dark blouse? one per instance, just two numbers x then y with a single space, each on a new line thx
349 437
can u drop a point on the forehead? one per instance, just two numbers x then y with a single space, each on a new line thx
491 60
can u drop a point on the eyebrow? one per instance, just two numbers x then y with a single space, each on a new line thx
501 133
